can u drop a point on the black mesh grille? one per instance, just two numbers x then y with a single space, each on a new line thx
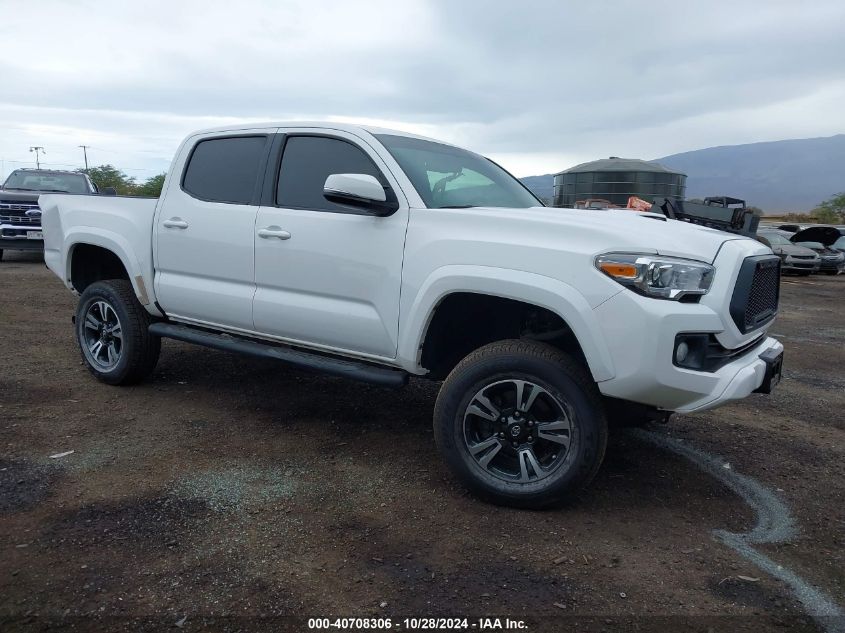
763 298
755 298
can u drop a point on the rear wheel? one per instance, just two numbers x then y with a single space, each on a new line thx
831 272
112 332
521 423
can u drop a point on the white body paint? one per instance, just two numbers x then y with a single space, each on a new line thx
366 287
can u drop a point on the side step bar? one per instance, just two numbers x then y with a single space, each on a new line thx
355 370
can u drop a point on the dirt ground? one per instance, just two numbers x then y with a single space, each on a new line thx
231 494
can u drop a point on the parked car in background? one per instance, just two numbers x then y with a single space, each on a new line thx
839 244
793 228
821 240
20 215
793 258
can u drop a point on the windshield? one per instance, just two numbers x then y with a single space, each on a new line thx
46 181
816 246
775 238
449 177
840 244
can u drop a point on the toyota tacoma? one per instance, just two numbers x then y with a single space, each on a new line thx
380 255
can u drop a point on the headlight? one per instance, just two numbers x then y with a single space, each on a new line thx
655 276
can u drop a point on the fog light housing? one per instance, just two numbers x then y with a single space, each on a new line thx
690 351
681 352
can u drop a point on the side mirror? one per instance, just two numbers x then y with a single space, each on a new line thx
108 191
359 190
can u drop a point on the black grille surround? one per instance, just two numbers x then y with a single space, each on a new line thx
757 292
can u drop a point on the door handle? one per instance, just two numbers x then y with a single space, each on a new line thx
175 223
273 231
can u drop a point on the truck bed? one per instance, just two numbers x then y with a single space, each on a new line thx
120 224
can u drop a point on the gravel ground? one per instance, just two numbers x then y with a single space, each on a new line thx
227 493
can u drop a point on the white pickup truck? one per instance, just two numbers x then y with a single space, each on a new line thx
380 255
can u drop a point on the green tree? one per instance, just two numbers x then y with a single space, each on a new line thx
151 187
831 211
110 176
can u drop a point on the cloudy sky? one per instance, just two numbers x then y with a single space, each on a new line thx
538 86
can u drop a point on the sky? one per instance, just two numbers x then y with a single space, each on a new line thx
538 86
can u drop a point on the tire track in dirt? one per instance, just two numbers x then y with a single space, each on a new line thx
775 524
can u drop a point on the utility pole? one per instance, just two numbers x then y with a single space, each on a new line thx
37 149
85 153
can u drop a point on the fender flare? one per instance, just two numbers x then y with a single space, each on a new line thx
546 292
120 247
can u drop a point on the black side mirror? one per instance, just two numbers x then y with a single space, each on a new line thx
108 191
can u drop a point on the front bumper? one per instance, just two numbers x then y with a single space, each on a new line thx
640 333
832 265
14 237
794 265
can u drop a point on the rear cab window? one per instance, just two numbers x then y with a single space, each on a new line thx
225 169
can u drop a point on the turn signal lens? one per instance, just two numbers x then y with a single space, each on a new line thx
629 271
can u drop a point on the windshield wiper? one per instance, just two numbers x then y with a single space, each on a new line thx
457 206
37 190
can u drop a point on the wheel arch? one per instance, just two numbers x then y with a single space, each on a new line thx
97 255
527 290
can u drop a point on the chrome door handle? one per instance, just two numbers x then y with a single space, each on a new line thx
175 223
273 231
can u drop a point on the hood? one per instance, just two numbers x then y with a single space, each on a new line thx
827 235
618 230
12 195
792 249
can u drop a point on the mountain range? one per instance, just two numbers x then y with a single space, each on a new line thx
777 176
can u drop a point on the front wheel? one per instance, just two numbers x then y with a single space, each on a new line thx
521 423
113 335
831 272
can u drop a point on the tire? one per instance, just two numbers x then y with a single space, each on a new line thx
125 353
1 255
831 272
563 425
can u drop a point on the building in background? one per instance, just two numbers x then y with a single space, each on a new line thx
616 179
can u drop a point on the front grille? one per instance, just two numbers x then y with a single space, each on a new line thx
803 256
17 208
20 220
756 294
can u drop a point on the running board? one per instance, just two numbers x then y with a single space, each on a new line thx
355 370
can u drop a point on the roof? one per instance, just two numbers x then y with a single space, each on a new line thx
614 163
354 128
46 171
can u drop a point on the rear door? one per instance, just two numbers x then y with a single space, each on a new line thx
205 229
333 281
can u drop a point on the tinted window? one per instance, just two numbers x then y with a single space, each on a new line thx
307 162
225 169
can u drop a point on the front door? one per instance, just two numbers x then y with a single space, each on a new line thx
328 275
205 230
